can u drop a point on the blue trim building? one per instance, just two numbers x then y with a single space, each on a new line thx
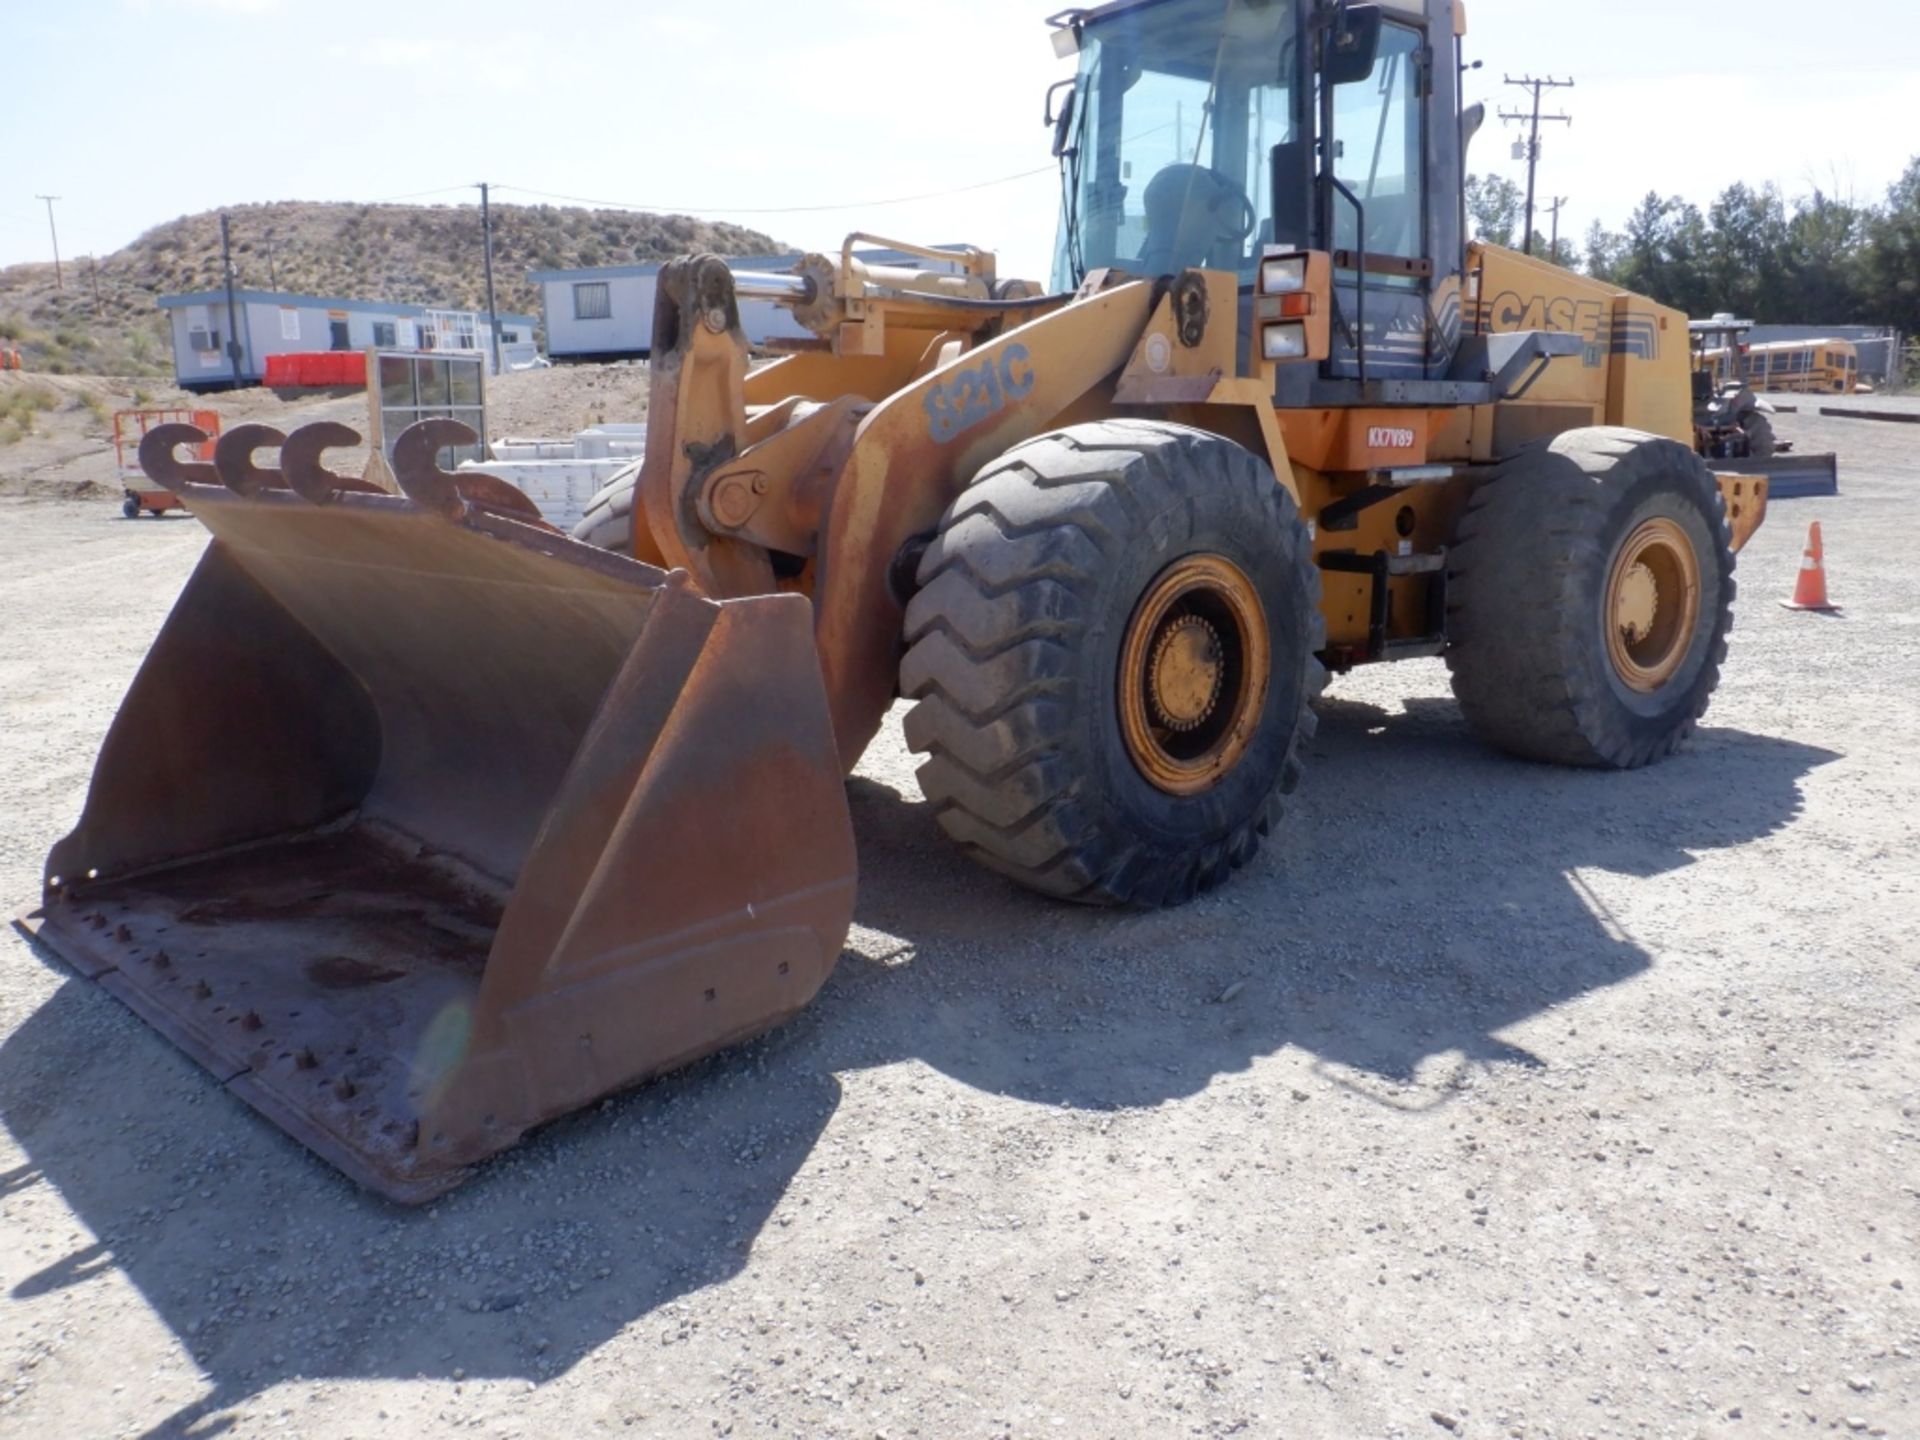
274 322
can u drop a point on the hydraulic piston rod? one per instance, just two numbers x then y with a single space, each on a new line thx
761 285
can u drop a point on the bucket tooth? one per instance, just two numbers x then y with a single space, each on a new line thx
300 462
166 469
233 459
416 467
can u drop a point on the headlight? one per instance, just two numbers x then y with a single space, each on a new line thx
1285 341
1289 272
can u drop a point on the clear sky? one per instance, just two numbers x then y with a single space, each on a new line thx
136 111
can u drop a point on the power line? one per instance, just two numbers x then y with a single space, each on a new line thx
415 194
778 209
1553 245
493 315
58 284
1533 133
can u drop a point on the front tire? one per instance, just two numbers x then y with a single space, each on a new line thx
1111 657
1590 591
607 522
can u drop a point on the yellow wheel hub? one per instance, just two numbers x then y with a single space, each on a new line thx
1194 672
1183 678
1652 604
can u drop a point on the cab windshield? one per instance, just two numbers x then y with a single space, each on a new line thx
1178 105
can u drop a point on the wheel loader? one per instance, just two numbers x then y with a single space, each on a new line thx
423 823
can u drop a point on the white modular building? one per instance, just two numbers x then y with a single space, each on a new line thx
272 322
606 312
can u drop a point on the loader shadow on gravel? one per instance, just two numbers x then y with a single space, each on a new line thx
1422 895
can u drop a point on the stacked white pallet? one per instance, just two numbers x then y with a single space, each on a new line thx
602 442
562 476
561 488
515 448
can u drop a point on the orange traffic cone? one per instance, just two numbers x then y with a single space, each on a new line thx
1810 591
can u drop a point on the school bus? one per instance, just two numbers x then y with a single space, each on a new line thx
1828 366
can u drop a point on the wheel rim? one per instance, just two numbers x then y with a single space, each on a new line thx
1653 600
1194 671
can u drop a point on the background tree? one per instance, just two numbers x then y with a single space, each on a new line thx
1817 260
1493 208
1743 265
1889 269
1603 253
1565 253
1823 262
1663 254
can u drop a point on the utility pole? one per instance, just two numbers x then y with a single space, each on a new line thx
493 319
233 323
1533 131
58 284
1553 245
273 280
93 274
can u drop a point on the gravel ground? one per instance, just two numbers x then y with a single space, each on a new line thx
1494 1100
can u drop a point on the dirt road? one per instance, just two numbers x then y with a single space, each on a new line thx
1493 1101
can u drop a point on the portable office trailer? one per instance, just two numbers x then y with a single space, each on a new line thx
606 312
269 322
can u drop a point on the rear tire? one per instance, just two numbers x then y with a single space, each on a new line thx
1759 432
130 508
1112 654
1572 636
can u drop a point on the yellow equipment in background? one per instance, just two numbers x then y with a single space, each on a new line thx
457 822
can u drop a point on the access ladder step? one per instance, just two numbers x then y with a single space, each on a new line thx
1416 564
1381 563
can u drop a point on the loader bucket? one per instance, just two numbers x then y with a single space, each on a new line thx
423 824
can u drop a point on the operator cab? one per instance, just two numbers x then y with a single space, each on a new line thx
1204 133
1719 352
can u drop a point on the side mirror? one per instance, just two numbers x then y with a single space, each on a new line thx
1291 180
1063 122
1353 43
1471 119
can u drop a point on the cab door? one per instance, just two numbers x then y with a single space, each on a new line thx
1374 147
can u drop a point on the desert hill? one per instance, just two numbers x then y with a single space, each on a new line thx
104 321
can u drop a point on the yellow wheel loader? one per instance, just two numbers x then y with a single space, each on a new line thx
424 823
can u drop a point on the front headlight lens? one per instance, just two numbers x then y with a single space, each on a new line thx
1284 341
1288 273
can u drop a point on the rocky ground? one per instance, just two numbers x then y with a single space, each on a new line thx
1493 1100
